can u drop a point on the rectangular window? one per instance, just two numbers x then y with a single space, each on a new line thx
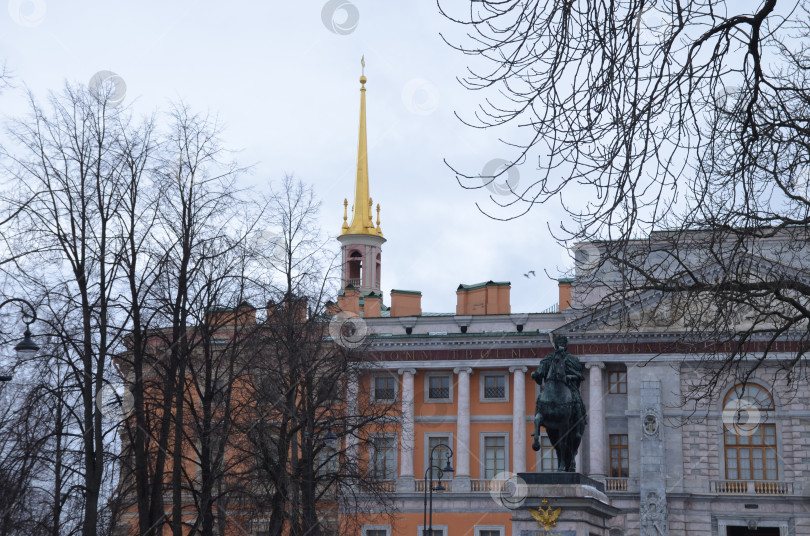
376 530
439 455
438 530
384 458
494 455
617 382
619 459
488 530
493 386
548 456
752 457
438 387
385 389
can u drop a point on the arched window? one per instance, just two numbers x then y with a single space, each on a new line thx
355 269
377 271
749 434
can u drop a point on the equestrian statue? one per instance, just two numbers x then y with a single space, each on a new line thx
559 408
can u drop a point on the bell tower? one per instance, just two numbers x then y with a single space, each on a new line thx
361 240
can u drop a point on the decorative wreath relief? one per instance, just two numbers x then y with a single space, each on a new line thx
650 423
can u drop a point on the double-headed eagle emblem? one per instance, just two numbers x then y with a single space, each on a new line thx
545 517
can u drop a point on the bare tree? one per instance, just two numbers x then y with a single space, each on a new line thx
306 437
188 248
22 451
126 236
5 77
67 172
674 136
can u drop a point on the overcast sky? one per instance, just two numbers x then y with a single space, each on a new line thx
283 78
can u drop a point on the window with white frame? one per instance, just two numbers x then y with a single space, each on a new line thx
494 387
489 530
383 388
439 455
546 456
384 457
438 530
438 387
376 530
494 458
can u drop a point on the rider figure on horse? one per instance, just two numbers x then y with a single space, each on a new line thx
573 374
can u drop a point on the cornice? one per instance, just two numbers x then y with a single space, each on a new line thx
425 343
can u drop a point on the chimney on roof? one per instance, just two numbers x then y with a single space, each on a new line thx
294 305
350 301
372 305
564 286
406 303
489 298
225 316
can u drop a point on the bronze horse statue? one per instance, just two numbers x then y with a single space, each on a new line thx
558 409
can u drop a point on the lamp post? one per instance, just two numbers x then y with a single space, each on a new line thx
428 521
27 348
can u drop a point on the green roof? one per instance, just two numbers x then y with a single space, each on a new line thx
489 283
406 292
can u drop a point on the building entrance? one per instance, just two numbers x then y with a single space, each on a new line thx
745 531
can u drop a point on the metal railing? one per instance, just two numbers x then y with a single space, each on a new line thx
753 487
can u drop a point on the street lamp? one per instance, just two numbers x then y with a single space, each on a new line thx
27 348
429 489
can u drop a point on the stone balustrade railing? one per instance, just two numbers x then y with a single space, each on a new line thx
753 487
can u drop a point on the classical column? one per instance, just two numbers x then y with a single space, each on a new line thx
518 419
461 479
596 419
406 476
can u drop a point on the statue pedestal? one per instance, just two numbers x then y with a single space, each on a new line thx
584 509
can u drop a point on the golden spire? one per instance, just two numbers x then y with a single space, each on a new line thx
362 222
